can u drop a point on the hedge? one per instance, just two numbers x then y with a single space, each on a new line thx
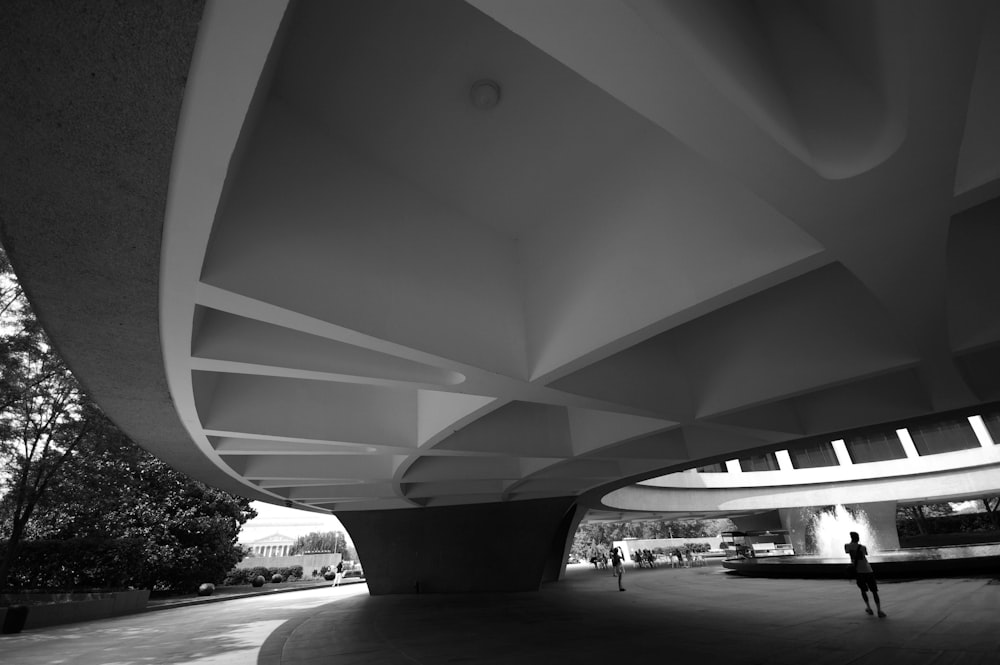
243 576
77 563
961 523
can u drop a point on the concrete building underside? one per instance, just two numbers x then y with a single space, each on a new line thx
456 271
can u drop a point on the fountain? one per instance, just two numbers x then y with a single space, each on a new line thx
826 533
830 529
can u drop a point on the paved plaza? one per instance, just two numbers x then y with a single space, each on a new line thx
679 615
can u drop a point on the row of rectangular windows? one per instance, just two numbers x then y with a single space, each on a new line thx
941 437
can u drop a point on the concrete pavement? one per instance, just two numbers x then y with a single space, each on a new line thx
680 615
694 615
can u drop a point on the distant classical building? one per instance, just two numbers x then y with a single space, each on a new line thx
274 551
271 546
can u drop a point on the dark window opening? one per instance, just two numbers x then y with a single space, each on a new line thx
875 447
765 462
944 437
811 457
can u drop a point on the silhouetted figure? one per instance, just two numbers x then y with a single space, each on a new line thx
617 567
865 575
340 574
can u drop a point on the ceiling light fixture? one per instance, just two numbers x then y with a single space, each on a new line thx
485 94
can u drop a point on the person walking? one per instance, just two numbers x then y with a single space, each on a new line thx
617 566
864 574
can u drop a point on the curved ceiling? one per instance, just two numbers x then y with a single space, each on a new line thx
683 233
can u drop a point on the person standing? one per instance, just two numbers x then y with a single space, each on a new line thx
865 576
340 573
617 566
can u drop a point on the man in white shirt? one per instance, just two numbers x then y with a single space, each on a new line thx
865 575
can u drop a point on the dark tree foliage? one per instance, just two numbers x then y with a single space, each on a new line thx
67 472
919 514
78 564
598 536
992 506
43 415
326 541
114 489
935 520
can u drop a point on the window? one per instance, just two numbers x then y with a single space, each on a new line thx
944 437
876 447
765 462
718 467
811 457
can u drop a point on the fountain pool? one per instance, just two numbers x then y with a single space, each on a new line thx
903 563
828 532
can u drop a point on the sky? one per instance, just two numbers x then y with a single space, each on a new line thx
289 522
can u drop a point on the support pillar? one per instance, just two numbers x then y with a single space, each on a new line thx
509 546
562 543
882 519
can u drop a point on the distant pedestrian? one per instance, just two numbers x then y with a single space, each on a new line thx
340 574
617 567
864 574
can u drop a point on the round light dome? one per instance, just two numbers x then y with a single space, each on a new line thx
485 94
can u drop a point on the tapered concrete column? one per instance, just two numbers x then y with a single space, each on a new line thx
510 546
562 542
882 519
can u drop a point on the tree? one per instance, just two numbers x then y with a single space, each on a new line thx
919 513
991 504
41 414
328 541
114 489
67 472
598 536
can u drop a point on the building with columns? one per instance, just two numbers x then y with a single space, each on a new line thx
482 267
271 546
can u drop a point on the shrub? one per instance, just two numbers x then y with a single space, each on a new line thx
276 579
291 572
260 570
241 576
238 577
960 523
258 581
206 589
78 563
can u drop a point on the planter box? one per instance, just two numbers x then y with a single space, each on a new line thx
52 609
